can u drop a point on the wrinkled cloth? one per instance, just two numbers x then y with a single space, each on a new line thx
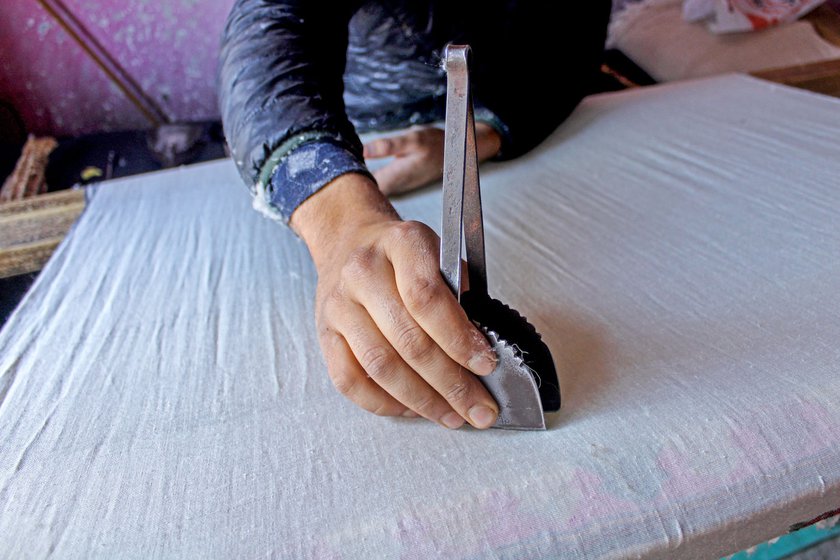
294 73
162 394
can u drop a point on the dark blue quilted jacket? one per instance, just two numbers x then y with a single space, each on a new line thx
299 79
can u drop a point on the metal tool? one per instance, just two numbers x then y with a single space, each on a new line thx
524 383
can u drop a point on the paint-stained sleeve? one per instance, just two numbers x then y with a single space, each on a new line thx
536 73
280 90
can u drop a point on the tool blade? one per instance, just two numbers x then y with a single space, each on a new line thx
515 330
513 387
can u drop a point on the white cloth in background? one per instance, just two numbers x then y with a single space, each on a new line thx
654 35
162 394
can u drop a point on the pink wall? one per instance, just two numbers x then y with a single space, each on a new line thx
169 47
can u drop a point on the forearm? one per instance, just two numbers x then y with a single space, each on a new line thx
281 70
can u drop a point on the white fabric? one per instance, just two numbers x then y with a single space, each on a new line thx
162 394
654 35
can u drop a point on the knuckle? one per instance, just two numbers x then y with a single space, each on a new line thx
457 392
359 264
417 237
462 343
378 362
334 299
425 404
344 382
382 409
414 342
422 295
408 229
426 241
326 309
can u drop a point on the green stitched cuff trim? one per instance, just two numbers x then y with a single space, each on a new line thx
285 148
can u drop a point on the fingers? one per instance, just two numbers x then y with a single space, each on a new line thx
386 368
402 174
394 337
462 390
432 305
350 379
392 146
418 159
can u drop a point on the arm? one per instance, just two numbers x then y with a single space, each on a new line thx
281 96
394 338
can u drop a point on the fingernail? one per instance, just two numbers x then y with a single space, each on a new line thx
482 417
452 420
483 364
410 414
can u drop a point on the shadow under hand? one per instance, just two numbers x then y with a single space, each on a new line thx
579 350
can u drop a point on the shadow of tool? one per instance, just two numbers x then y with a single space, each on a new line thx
578 347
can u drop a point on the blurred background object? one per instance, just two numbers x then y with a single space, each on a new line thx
28 177
72 67
656 38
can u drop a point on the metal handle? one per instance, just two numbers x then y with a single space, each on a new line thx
461 190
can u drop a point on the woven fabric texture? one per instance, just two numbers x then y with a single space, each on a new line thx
162 394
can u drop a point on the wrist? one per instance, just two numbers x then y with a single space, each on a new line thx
328 219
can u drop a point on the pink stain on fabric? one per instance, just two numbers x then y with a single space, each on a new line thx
682 478
417 538
817 426
749 447
500 514
509 524
594 501
798 433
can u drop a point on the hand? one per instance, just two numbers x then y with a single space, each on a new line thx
395 340
418 156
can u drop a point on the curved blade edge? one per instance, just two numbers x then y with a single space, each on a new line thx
513 387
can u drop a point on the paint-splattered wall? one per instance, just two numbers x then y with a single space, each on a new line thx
168 47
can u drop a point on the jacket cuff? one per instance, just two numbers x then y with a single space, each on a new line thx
300 168
484 115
